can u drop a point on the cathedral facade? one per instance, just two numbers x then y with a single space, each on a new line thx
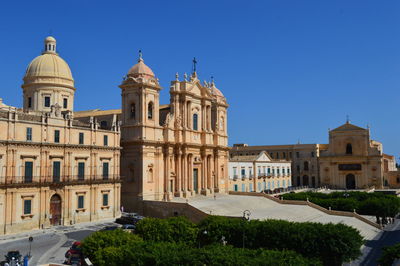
174 150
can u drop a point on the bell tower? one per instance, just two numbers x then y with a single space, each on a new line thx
140 134
140 104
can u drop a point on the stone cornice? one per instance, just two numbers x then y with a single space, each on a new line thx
58 145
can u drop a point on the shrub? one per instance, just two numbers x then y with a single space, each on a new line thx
377 204
164 253
103 245
389 255
331 243
175 229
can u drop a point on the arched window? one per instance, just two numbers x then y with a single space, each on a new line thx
306 166
150 110
133 111
349 149
195 127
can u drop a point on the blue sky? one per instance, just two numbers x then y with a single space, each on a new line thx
289 69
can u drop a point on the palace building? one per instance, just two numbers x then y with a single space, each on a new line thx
257 173
54 169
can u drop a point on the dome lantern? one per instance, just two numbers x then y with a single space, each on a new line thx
50 45
48 81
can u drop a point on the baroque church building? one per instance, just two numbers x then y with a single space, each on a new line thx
174 150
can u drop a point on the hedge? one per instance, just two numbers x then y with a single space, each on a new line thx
333 244
164 253
330 243
175 229
377 204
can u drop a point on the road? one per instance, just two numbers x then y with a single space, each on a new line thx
389 237
49 245
372 249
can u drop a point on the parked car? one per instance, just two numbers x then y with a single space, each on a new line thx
13 258
110 228
74 255
129 227
129 218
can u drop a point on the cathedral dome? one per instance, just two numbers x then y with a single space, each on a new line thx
48 64
141 68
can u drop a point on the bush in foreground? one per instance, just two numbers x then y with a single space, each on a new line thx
139 252
333 244
389 255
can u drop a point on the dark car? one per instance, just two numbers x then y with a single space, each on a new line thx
13 255
110 228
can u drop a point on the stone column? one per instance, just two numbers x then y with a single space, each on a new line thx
178 171
184 173
166 173
216 169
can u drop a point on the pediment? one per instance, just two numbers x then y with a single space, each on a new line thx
198 89
263 157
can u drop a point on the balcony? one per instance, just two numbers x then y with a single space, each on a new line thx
40 181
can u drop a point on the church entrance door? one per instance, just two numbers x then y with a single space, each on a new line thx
195 180
350 181
55 210
305 180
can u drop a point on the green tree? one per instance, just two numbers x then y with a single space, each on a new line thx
389 255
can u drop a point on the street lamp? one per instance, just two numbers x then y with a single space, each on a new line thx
204 233
246 217
30 245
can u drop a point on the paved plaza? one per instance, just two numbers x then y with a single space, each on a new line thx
262 208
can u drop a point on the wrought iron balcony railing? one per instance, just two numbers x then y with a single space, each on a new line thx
57 180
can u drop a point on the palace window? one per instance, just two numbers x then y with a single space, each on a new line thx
28 134
81 171
243 171
57 136
65 103
27 207
81 138
305 166
150 110
81 202
297 154
195 127
105 199
105 140
349 149
105 170
47 101
28 172
29 102
56 171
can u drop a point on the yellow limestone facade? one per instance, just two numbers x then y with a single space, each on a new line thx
54 169
353 160
174 150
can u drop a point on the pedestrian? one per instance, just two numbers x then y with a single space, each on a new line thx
122 208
